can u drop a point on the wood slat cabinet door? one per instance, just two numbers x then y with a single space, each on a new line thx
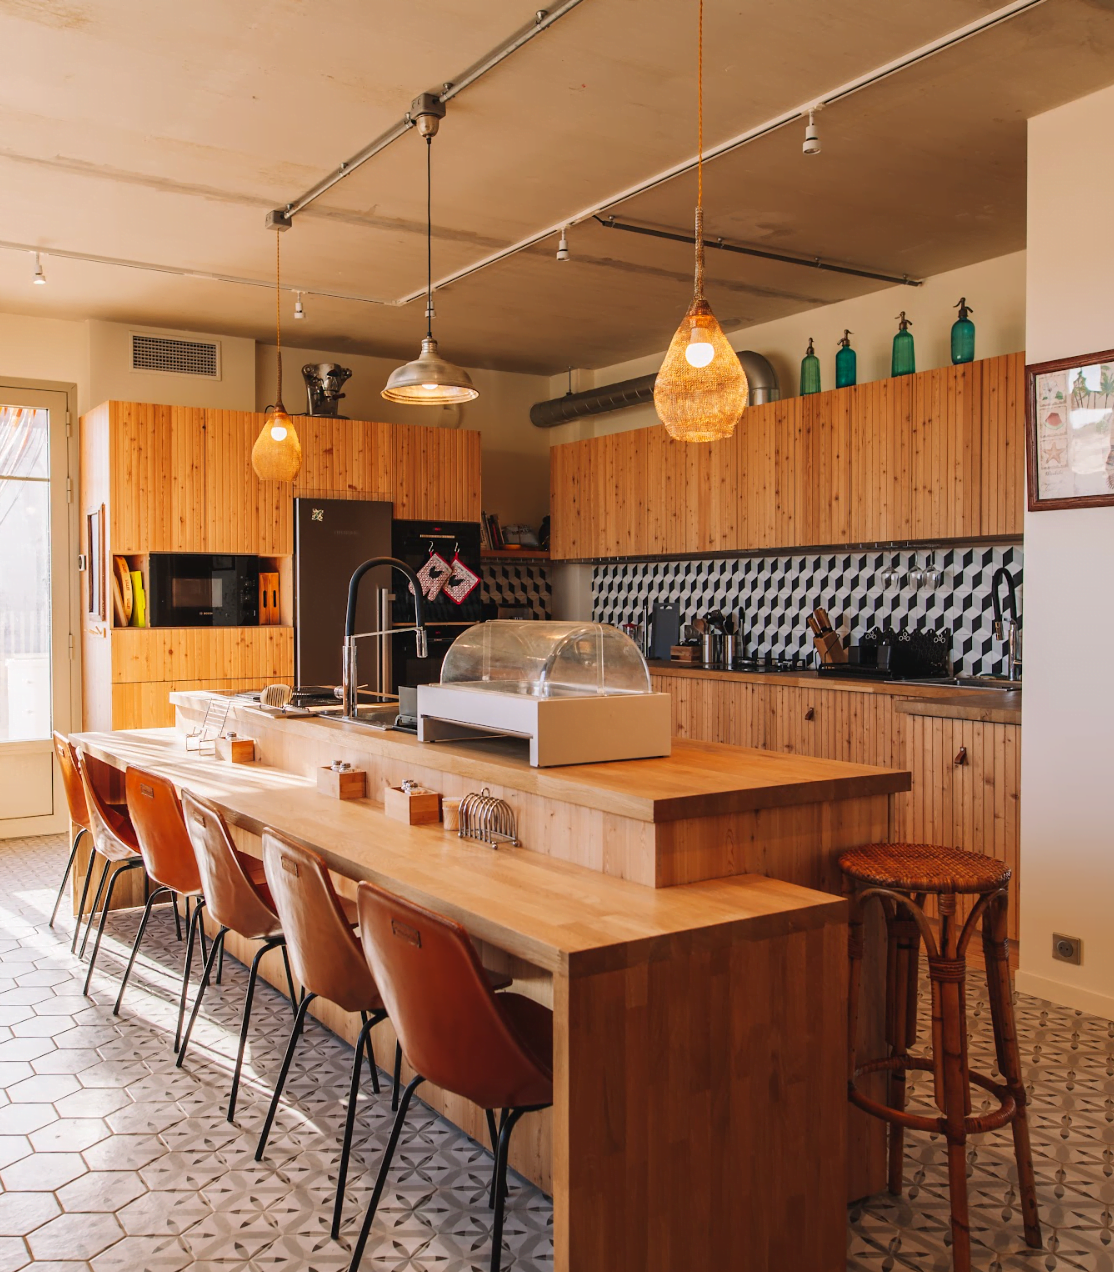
156 478
435 472
966 789
242 513
708 710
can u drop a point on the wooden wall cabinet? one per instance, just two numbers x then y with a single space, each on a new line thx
937 455
176 479
966 773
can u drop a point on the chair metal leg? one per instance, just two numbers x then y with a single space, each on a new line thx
295 1034
397 1077
220 964
135 946
384 1167
218 941
501 1185
177 916
95 906
84 898
350 1117
253 976
289 979
369 1046
187 965
120 870
493 1132
66 876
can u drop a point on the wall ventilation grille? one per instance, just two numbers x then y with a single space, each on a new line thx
179 357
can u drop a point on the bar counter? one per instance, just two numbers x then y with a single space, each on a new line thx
700 1114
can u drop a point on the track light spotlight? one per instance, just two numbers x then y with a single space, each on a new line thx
563 245
299 312
812 135
39 278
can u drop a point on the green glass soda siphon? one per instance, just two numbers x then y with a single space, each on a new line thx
810 371
963 334
845 362
904 360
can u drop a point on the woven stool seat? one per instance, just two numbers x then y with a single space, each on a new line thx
924 868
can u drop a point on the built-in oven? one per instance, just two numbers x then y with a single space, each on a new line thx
200 589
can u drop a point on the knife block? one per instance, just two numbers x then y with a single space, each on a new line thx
830 647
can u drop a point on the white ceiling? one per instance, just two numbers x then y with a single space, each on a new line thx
163 133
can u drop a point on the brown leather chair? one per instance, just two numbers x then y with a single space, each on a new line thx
160 830
114 839
79 818
329 963
239 904
496 1051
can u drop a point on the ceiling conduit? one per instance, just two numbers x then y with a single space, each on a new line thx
761 377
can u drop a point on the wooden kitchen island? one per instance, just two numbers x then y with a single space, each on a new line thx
677 915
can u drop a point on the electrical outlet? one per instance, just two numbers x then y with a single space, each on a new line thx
1068 949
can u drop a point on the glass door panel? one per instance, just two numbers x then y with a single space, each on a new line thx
34 606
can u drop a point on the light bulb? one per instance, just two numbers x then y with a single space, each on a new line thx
278 432
40 278
699 351
429 386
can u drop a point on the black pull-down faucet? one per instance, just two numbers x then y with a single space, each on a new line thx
1013 634
349 678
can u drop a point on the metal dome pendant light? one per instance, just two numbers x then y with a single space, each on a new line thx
277 453
429 380
701 390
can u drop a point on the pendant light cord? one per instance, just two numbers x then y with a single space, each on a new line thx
278 310
429 235
699 287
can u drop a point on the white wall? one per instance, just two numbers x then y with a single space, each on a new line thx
515 453
111 375
45 349
995 290
1067 817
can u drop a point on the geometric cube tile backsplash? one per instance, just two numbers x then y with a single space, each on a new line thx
518 584
772 596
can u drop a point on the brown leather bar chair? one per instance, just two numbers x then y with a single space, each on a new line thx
239 904
114 839
79 818
164 843
495 1050
329 963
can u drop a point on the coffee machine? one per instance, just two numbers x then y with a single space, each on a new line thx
324 381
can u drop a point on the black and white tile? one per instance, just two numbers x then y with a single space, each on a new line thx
112 1160
519 585
773 595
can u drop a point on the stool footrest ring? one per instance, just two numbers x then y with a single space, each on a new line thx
1001 1116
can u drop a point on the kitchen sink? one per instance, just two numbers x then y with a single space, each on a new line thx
966 682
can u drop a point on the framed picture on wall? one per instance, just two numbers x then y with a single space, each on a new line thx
1069 432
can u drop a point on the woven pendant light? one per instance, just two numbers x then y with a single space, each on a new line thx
701 390
277 453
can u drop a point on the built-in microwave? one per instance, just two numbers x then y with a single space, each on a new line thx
198 589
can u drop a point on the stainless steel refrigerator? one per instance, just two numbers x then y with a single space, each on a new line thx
331 538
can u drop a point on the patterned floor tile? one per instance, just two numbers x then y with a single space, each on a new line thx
170 1186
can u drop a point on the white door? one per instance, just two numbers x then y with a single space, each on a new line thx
35 564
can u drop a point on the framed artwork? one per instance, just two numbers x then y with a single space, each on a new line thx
1069 432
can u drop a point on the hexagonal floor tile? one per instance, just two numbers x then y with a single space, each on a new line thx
75 1060
158 1214
43 1088
25 1048
105 1190
22 1119
152 1254
23 1212
69 1134
93 1102
79 1236
43 1172
124 1152
13 1148
13 1254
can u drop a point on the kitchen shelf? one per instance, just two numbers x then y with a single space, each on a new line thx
510 554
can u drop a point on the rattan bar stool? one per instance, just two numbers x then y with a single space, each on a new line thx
900 877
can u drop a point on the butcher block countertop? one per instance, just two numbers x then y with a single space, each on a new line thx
699 779
995 706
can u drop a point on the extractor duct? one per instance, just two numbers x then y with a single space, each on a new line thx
761 377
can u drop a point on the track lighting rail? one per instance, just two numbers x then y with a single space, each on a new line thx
809 262
543 19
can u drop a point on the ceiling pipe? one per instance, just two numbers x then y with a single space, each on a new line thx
810 262
734 143
761 379
282 218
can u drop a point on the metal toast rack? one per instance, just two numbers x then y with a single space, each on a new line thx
487 819
212 726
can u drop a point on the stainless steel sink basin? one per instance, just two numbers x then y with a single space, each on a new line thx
967 682
375 716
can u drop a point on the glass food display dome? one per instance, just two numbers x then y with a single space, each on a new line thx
546 660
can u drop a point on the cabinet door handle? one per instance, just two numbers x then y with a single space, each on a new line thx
810 713
961 755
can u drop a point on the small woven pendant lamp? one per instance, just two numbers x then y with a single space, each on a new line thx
701 390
